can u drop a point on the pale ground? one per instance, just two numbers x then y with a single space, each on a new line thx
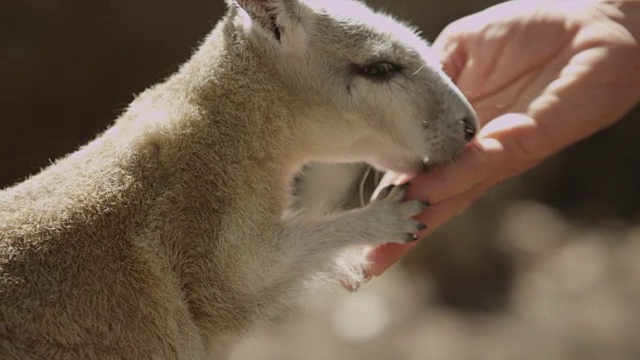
576 295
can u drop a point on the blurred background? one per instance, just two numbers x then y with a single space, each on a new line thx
547 266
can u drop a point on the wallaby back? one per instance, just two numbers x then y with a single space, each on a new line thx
169 232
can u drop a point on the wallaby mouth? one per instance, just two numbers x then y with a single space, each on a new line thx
451 144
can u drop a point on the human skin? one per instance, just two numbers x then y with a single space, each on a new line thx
541 75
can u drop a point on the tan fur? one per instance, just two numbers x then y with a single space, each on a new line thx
168 233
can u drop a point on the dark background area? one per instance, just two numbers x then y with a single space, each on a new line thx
68 68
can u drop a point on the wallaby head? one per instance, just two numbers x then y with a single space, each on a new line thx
367 88
170 233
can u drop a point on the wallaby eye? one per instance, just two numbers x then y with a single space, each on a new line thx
381 70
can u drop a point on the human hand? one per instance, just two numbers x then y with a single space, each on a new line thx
541 75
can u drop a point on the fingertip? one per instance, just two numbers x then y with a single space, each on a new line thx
383 257
505 125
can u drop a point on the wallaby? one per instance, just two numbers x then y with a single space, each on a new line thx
174 230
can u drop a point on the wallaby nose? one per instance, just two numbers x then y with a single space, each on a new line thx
470 127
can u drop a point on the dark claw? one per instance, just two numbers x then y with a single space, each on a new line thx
411 237
386 190
405 185
422 227
425 203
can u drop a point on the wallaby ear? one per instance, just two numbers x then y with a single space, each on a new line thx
275 16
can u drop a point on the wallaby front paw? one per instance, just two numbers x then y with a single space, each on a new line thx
353 280
352 268
392 216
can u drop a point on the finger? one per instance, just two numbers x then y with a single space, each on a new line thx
506 147
383 257
434 187
477 163
436 215
451 189
525 142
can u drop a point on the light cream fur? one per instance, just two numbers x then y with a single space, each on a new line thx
172 232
